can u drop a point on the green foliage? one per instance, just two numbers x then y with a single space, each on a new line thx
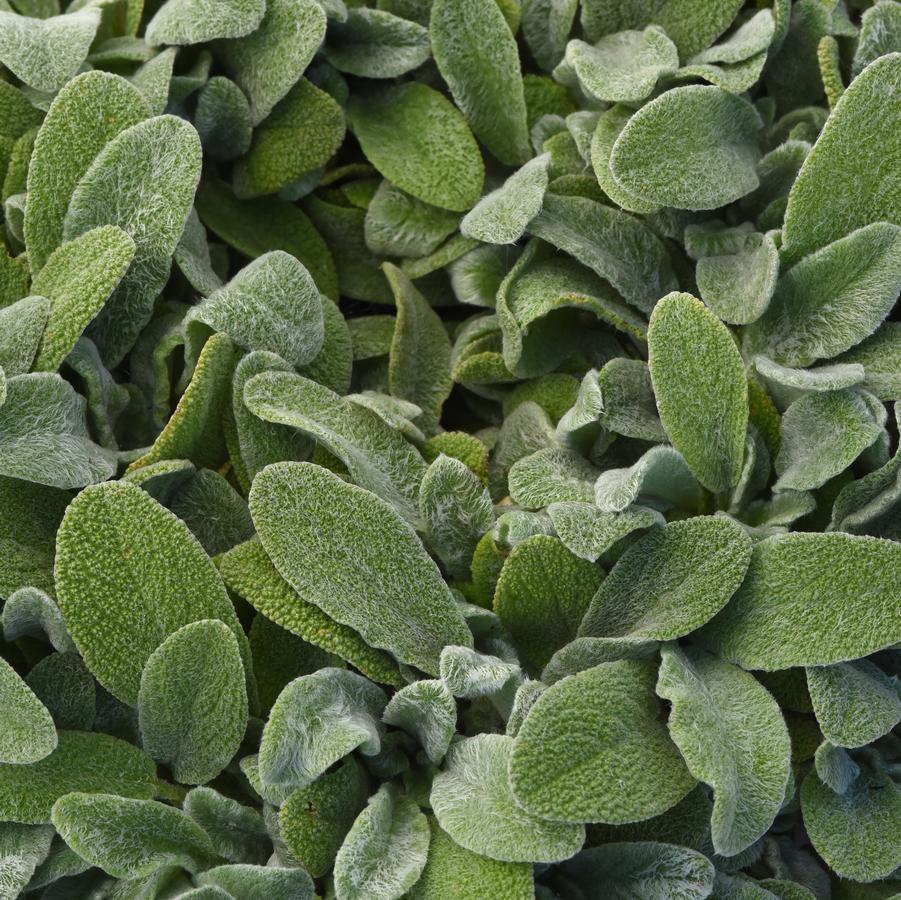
472 801
732 736
324 512
28 731
548 581
130 838
384 851
799 587
542 593
116 529
192 704
594 750
700 387
670 581
486 86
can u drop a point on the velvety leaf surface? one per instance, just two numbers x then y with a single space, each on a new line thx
593 750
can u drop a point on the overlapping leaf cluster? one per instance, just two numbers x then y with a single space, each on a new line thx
447 451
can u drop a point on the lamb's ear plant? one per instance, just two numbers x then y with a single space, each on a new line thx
447 449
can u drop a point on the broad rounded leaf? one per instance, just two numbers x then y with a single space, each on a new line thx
671 581
82 761
189 22
593 749
473 803
859 274
384 851
844 183
856 832
272 304
426 710
377 456
130 838
589 532
419 141
701 389
77 278
192 703
27 733
155 166
477 56
811 600
542 593
641 871
692 147
86 114
454 873
316 720
855 702
129 574
732 735
351 554
46 53
247 882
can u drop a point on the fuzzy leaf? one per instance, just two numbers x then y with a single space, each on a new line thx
738 286
858 275
44 436
855 832
732 735
192 704
46 53
630 408
546 25
246 882
454 873
155 166
473 803
671 581
692 147
398 224
267 63
272 304
130 838
298 137
501 217
470 674
82 761
27 733
811 600
438 162
352 578
22 327
420 356
376 455
701 390
22 849
660 478
29 611
477 56
427 711
315 819
236 831
62 682
248 571
641 871
843 184
822 434
373 43
316 720
542 594
623 67
593 749
77 278
150 562
181 22
384 851
86 114
855 702
588 532
457 511
613 244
